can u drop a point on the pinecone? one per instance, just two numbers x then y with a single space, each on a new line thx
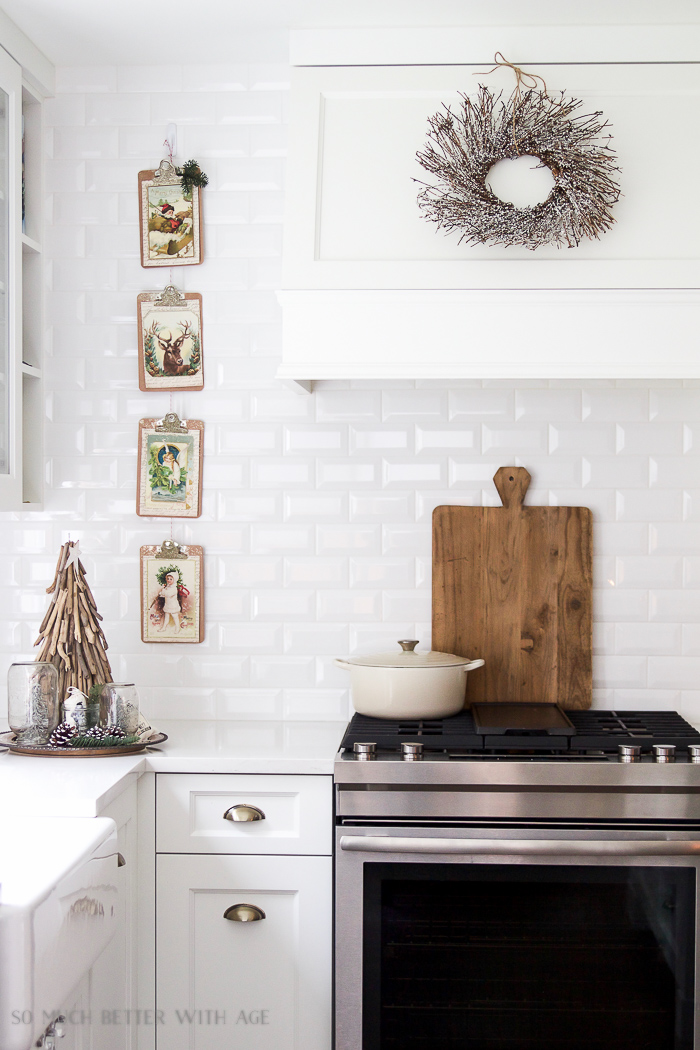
96 733
116 732
62 735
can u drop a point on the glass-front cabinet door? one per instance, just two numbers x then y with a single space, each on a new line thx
10 283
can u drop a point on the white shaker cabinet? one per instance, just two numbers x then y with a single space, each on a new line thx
243 953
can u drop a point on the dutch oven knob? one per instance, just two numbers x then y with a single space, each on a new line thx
408 645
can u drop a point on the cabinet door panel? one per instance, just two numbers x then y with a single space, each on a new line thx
263 985
297 811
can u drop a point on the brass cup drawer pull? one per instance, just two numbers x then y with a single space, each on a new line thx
244 913
244 813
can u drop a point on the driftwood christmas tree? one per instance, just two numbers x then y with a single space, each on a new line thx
70 635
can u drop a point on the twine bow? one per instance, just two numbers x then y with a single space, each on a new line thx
528 81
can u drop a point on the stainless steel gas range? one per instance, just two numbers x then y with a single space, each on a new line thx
518 890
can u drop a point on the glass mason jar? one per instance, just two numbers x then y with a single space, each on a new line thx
119 706
32 701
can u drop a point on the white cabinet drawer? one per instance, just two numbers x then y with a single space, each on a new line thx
244 985
297 813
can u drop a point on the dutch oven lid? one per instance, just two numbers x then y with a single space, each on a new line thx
408 658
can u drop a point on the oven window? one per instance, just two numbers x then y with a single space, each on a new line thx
528 957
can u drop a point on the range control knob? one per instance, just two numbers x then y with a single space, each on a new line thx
412 752
629 753
364 752
694 753
664 752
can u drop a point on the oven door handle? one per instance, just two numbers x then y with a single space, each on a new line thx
523 847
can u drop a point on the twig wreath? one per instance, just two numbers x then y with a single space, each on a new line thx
464 146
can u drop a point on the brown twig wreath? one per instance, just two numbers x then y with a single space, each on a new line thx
464 146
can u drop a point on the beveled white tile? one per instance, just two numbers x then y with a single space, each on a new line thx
158 77
413 472
548 405
652 438
265 539
315 572
645 639
280 474
413 405
651 505
514 439
215 77
283 605
117 110
317 704
620 672
327 639
690 645
616 471
406 539
613 605
615 405
474 405
460 437
395 573
86 79
651 571
314 440
182 108
252 704
674 672
385 506
347 405
347 606
334 473
330 507
249 571
282 671
589 440
348 539
249 637
622 537
674 606
386 438
675 405
678 538
412 604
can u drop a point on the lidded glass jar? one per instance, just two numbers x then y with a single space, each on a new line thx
119 706
32 701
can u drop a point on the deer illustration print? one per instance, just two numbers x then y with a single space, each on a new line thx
173 364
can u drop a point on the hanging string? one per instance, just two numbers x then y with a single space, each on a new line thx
169 149
528 81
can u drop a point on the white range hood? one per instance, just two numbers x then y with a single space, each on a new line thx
372 290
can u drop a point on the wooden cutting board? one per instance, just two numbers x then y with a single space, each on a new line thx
513 584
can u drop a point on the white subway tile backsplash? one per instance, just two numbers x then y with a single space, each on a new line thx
117 110
616 405
385 506
648 438
473 405
215 77
317 510
85 79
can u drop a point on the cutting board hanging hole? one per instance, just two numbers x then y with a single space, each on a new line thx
511 484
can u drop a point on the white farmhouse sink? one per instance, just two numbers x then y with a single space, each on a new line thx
58 910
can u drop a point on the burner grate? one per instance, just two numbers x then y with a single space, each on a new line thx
607 729
435 734
595 731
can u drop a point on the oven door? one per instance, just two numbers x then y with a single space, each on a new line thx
527 938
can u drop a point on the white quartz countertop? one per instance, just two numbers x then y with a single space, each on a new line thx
82 787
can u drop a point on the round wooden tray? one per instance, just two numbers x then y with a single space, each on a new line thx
44 751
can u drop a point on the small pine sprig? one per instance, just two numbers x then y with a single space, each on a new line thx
191 175
110 740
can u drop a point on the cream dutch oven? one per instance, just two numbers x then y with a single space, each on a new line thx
408 684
